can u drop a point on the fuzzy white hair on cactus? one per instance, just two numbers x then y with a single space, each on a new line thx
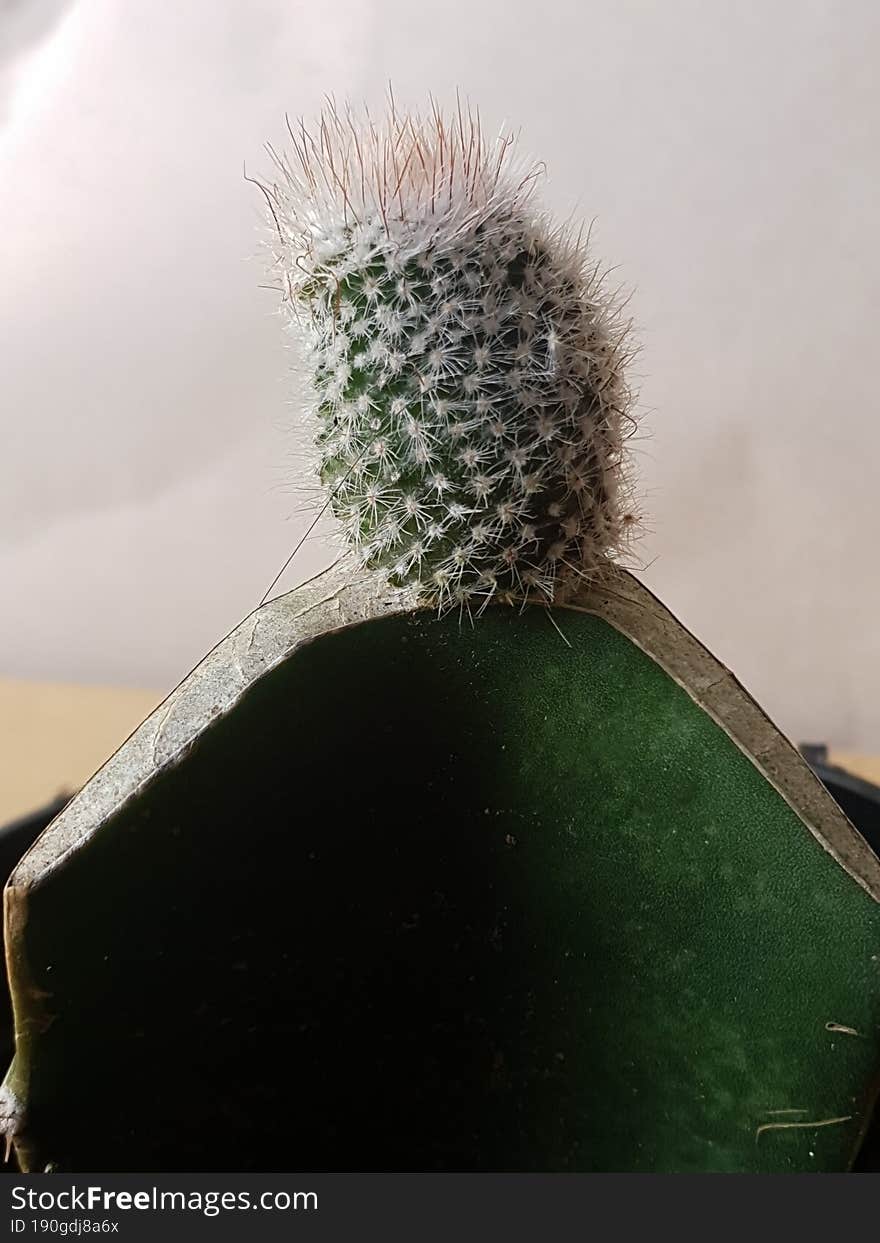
466 359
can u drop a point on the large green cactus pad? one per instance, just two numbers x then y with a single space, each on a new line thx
428 896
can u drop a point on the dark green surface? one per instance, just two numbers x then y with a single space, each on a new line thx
443 898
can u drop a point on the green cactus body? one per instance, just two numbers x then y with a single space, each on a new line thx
467 365
573 926
375 890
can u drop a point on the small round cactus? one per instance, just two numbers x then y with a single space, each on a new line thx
466 360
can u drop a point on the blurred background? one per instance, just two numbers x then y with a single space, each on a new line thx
727 151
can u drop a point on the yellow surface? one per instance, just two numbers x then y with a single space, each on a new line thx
865 766
52 738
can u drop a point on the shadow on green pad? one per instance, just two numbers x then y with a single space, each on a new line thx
433 897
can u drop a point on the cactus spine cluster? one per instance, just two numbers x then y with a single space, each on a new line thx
466 360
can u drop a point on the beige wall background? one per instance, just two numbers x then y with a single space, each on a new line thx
728 151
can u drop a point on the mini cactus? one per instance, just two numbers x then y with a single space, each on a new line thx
599 916
467 359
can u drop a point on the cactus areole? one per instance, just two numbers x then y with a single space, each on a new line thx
465 358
